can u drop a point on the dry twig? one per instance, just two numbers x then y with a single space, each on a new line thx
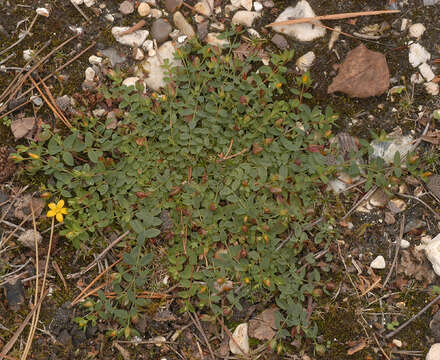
333 17
135 27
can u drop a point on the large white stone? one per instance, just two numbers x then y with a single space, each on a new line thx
134 39
301 32
241 337
418 55
434 352
245 18
153 66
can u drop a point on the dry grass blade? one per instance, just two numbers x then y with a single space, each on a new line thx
34 317
80 296
43 285
51 106
49 94
60 274
333 17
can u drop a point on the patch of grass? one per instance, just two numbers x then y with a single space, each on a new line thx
217 171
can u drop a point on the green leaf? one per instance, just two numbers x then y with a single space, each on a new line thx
137 226
151 233
94 155
68 158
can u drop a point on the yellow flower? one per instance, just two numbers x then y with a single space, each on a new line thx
57 210
34 156
279 85
304 79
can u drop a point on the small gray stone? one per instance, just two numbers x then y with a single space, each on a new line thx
14 294
114 56
173 5
161 30
430 2
29 237
280 41
202 29
126 7
65 103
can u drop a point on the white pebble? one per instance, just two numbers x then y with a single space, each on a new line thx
138 54
130 81
416 30
148 45
144 9
95 60
418 55
89 3
258 6
43 12
404 244
397 342
155 13
426 72
417 79
109 17
90 74
151 52
181 39
378 263
432 88
27 54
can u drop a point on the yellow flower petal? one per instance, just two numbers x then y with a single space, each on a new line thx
63 211
51 213
60 204
52 206
60 217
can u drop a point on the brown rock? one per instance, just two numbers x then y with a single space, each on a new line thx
263 326
173 5
363 73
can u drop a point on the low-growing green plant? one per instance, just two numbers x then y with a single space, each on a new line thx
227 167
